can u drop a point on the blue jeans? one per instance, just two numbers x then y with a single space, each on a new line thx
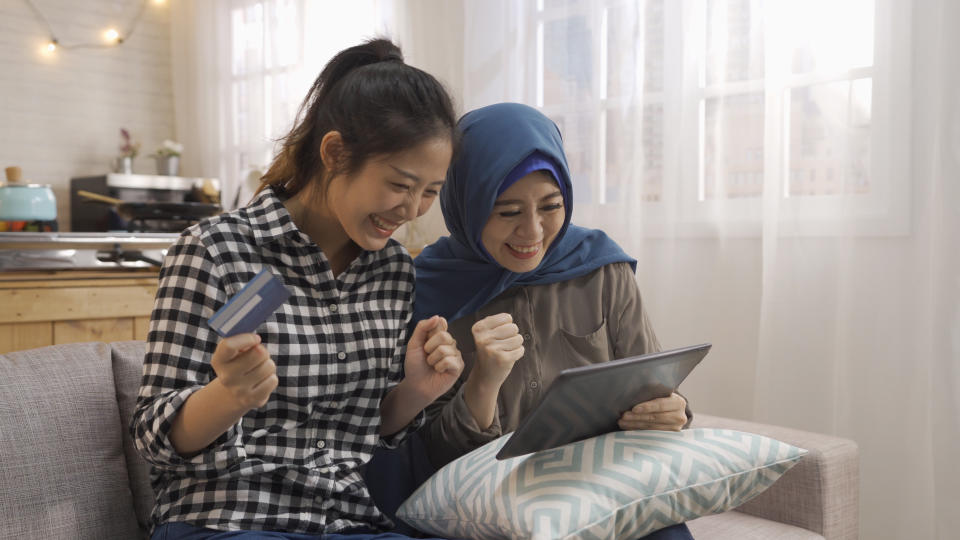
184 531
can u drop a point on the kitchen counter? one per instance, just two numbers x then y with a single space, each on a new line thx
70 287
51 307
62 250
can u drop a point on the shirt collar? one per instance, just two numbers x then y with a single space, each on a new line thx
271 221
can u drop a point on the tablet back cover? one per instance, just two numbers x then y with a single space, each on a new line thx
587 401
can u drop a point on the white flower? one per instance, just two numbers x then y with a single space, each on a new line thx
170 148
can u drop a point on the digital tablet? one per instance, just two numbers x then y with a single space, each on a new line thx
584 402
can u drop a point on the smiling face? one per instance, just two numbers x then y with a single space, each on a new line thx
525 221
388 191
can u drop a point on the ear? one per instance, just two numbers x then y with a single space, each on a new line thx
333 153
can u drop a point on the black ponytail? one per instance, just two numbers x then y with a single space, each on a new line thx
377 103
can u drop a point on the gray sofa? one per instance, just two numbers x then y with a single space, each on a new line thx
68 468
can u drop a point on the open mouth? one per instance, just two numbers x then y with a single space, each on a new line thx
383 226
524 252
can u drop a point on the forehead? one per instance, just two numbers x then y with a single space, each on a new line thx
423 160
535 185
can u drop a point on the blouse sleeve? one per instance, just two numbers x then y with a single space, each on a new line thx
177 361
634 333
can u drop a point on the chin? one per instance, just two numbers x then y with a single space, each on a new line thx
522 268
373 244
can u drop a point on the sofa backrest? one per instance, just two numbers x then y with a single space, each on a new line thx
127 357
63 471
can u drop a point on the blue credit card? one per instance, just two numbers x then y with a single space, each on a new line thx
247 310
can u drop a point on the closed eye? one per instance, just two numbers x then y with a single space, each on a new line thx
510 213
551 207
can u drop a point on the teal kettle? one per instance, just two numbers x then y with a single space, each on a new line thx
26 202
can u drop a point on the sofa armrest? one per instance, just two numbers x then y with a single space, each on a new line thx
820 493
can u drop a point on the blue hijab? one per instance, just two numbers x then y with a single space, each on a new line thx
455 275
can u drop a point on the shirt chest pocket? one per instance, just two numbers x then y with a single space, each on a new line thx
584 348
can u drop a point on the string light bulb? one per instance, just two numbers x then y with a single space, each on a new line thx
112 35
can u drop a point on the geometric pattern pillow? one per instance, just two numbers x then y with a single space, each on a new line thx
624 484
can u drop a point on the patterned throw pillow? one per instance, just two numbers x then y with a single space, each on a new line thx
624 484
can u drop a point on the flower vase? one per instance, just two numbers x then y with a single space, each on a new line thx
168 165
123 165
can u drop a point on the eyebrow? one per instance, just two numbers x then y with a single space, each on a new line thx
517 201
412 176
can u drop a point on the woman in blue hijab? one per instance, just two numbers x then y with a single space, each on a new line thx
526 292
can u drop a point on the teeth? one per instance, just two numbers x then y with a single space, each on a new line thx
529 249
383 224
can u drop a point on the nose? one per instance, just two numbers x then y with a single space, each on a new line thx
531 227
409 208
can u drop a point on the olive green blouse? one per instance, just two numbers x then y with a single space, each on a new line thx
590 319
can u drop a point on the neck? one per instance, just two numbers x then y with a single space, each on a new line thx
314 218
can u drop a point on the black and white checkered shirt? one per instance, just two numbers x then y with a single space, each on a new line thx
338 343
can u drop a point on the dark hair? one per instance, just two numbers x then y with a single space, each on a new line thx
379 104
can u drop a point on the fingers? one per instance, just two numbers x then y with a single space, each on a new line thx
230 347
666 414
245 368
672 403
446 358
497 331
437 339
630 426
441 352
453 365
491 322
512 343
422 330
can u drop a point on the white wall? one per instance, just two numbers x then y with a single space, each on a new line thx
61 114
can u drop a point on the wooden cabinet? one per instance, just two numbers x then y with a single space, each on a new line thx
52 307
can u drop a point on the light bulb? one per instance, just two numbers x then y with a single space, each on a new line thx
111 35
52 46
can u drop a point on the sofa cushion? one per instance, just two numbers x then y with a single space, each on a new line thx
62 470
624 484
739 526
127 371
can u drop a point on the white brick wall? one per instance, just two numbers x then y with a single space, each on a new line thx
61 114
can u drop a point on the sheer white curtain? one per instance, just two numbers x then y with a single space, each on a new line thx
241 69
787 174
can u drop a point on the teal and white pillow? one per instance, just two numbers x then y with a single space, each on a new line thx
624 484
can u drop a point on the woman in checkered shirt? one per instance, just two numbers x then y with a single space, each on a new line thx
264 434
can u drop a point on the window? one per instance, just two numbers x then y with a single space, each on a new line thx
703 108
277 49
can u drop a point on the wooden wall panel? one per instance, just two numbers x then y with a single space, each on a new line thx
118 329
140 327
73 303
22 336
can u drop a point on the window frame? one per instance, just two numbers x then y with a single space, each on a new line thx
885 211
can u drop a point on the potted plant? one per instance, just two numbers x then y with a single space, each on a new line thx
168 157
128 150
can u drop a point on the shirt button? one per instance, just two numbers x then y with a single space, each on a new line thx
527 337
341 355
321 444
534 384
334 307
334 405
